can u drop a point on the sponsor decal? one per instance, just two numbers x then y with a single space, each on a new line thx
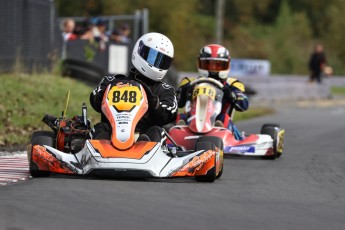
196 163
240 149
47 161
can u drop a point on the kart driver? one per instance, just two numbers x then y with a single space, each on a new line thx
151 57
214 61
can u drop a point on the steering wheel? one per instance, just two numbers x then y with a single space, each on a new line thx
211 81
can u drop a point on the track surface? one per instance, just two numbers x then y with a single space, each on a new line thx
304 189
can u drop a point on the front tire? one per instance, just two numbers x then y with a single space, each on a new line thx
218 142
211 174
272 130
39 138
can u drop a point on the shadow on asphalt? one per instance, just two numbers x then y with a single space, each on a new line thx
145 180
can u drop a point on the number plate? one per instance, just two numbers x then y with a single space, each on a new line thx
124 96
204 90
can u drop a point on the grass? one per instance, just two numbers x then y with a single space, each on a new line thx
252 112
338 90
25 99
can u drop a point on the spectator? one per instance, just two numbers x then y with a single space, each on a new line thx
99 30
121 35
125 31
115 36
86 30
68 30
317 62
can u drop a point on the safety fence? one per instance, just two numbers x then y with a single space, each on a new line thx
31 38
28 32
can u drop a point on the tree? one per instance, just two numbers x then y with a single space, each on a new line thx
334 36
86 8
188 29
290 39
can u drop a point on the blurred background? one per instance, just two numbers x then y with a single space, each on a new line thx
280 31
271 43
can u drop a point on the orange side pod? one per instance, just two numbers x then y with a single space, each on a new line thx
46 162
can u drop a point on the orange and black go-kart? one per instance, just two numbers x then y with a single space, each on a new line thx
68 150
203 106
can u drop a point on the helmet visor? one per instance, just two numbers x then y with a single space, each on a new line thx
214 64
154 57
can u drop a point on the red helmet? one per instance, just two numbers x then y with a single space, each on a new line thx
214 61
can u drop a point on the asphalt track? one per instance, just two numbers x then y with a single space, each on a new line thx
304 189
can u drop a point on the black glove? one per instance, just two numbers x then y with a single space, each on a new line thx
230 95
233 97
153 102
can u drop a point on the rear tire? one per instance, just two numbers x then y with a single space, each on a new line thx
271 129
211 174
39 138
218 142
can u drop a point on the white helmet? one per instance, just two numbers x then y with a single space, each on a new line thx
152 55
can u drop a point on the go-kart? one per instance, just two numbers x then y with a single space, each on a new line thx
67 149
204 102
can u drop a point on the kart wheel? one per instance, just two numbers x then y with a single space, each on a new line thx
39 138
269 125
211 174
218 142
271 129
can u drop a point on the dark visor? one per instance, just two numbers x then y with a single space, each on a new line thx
214 64
154 57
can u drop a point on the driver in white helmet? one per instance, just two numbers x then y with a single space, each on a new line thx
152 56
214 62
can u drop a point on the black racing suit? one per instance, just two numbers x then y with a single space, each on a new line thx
162 106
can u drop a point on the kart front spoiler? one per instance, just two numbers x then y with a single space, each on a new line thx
154 163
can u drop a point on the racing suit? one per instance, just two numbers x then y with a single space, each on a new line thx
162 106
234 97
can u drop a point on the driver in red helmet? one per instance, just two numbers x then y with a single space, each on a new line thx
214 62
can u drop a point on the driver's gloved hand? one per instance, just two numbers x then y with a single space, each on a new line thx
233 97
230 95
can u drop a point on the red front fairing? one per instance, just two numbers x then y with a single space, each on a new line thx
209 118
186 138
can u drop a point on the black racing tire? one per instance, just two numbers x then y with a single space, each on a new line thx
218 142
82 70
269 125
39 138
270 129
211 174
